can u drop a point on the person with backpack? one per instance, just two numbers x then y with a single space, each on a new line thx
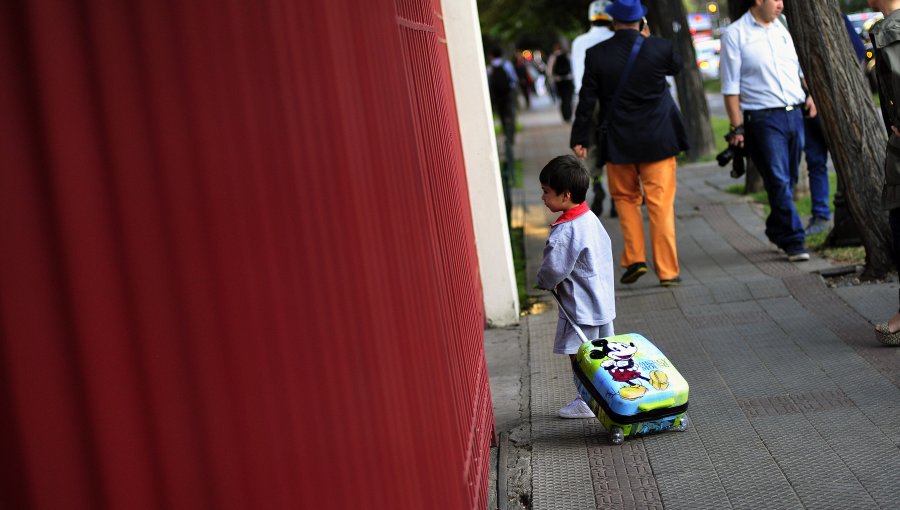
563 81
502 83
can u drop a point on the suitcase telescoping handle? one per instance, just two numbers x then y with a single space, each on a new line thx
569 317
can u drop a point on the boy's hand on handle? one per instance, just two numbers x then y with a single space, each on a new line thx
580 151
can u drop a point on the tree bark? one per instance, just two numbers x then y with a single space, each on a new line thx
855 130
665 16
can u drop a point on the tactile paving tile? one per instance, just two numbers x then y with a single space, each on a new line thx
693 297
653 301
768 288
709 321
622 476
861 446
814 470
560 469
729 292
761 255
693 489
848 325
872 302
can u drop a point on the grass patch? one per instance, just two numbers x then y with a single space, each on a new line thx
720 127
855 255
518 180
712 86
517 240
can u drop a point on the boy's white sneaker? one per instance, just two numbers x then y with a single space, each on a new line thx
576 409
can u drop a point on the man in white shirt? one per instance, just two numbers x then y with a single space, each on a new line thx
761 77
601 30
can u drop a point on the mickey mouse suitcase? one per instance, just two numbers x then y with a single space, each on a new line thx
629 384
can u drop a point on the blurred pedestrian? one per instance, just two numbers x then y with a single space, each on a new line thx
816 151
502 84
640 134
561 74
601 30
526 82
761 76
577 264
885 37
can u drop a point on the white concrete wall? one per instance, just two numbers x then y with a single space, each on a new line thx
476 125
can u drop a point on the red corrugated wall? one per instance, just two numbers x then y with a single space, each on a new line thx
237 265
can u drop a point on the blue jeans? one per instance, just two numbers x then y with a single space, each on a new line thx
817 164
774 140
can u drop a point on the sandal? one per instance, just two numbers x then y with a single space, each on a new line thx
883 334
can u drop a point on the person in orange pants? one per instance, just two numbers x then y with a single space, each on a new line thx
657 178
641 132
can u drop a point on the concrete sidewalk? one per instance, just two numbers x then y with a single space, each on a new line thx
793 403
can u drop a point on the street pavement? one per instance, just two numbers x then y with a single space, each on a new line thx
793 404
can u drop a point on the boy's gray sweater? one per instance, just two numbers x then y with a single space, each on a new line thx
578 259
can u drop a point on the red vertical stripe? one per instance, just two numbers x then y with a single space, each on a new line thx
237 265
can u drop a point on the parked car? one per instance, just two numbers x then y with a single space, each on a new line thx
707 51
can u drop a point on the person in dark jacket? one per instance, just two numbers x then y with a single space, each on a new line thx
644 134
885 37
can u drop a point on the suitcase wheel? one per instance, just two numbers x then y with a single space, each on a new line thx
616 435
685 423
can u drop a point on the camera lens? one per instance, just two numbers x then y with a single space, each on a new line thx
725 157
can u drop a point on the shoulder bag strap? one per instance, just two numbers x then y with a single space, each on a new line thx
625 74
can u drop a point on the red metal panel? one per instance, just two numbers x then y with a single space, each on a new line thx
438 133
237 267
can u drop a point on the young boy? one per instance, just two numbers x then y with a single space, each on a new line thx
577 263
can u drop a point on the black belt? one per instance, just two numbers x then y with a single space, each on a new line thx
777 109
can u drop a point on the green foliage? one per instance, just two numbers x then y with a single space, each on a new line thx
720 127
529 22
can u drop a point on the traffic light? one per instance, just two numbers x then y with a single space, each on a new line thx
712 7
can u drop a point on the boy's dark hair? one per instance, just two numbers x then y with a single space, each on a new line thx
566 173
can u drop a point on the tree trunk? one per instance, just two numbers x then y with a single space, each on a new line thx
668 20
854 128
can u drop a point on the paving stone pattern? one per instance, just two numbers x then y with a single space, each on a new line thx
793 404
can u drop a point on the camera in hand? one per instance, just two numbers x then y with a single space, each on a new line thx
735 153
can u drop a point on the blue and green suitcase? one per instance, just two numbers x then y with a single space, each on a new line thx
631 386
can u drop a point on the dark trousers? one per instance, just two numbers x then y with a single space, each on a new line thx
565 89
774 140
816 151
506 110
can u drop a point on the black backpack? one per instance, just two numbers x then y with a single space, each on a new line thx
498 84
562 66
